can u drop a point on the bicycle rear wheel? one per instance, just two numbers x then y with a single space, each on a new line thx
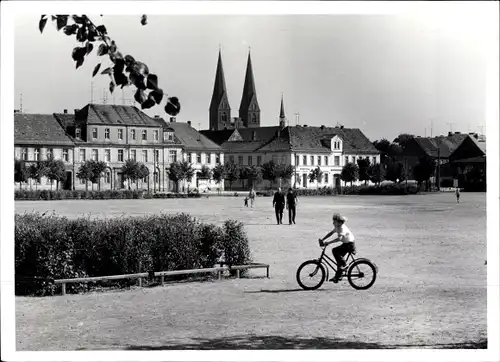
311 275
362 274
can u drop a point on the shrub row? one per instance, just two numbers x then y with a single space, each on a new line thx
385 189
96 195
51 247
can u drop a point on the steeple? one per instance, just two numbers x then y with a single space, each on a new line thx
249 107
282 113
220 111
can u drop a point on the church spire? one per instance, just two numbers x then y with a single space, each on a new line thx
249 107
282 113
220 111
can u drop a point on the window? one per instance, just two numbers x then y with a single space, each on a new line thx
346 160
319 160
107 177
172 156
353 159
189 157
224 117
65 155
297 159
254 118
78 133
107 155
198 157
144 155
217 158
312 160
326 160
132 134
144 135
95 155
48 181
374 160
240 160
250 160
326 178
50 153
94 133
259 160
120 155
106 133
157 156
337 160
157 177
24 154
231 159
133 155
170 136
207 158
36 154
155 135
120 134
82 156
304 160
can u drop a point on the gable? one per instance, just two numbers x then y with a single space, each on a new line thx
235 136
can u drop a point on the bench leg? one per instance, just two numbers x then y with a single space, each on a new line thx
63 288
140 282
267 272
162 280
238 273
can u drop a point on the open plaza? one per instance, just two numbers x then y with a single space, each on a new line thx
430 291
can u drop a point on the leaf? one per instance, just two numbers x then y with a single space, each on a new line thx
144 19
89 47
157 95
173 106
119 65
121 79
150 102
79 62
78 53
129 60
102 29
41 24
111 86
137 80
152 82
103 49
140 96
70 29
107 71
79 19
82 34
62 21
96 69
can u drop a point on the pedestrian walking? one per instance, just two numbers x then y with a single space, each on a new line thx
251 196
279 205
457 194
246 201
291 204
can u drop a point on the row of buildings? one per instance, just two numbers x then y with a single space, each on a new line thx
116 133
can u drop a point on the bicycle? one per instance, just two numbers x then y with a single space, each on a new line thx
320 268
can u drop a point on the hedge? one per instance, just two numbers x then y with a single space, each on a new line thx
96 195
385 189
51 247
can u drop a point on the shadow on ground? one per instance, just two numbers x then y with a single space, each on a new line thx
278 342
282 291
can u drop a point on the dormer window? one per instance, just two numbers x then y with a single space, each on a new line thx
168 136
78 133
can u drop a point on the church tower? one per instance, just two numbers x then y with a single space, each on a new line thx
220 112
282 114
249 107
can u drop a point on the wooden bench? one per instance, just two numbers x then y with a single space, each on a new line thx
163 274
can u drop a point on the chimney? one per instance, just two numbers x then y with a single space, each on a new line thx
304 125
342 127
65 111
322 126
172 119
457 132
450 134
189 122
17 111
157 116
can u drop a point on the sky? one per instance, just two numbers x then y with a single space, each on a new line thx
385 74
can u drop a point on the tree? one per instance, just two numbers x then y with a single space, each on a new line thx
243 175
403 139
143 173
218 173
363 165
423 170
384 146
254 175
315 175
36 171
98 168
130 171
187 171
350 173
20 172
205 173
395 172
286 172
56 172
376 173
269 172
85 173
138 75
232 172
175 173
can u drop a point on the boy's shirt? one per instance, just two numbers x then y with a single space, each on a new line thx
346 233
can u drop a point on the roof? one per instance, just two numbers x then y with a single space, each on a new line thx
219 85
218 137
242 146
191 138
480 144
39 129
447 145
478 159
249 87
115 115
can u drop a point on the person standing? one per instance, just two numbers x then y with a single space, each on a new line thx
279 205
457 194
251 196
291 203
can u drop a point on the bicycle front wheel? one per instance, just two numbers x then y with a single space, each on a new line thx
362 274
311 275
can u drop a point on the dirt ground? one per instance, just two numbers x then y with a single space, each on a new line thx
430 291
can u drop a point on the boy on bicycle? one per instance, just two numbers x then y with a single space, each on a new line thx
345 236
